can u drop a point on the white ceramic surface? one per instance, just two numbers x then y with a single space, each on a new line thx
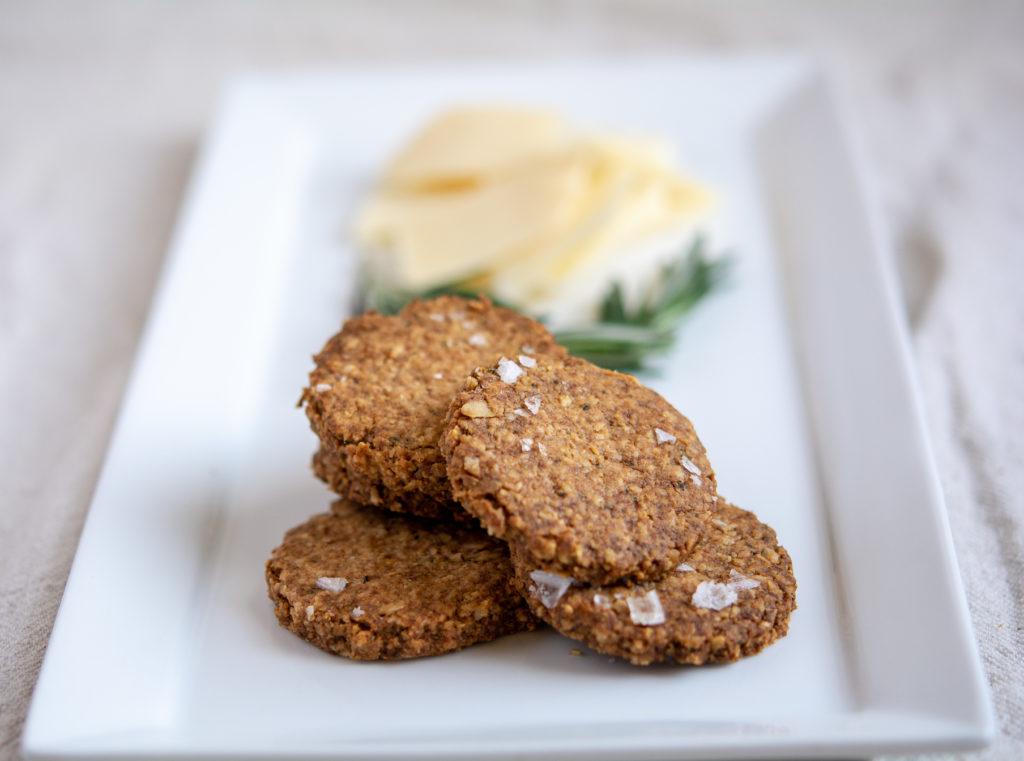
796 377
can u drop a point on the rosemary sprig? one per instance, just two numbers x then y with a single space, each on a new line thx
624 337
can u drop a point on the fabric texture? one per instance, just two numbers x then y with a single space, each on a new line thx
103 105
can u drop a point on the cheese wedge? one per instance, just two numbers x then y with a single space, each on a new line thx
514 202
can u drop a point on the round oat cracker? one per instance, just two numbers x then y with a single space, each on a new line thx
583 471
374 585
731 598
380 390
343 475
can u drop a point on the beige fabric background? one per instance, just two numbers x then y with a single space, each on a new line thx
102 106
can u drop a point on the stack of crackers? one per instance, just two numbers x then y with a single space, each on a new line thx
489 481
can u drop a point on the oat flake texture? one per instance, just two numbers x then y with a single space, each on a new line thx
415 587
596 498
622 619
378 430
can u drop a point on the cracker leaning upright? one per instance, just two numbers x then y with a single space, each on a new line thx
583 471
378 396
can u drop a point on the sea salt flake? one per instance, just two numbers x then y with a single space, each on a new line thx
477 339
526 444
717 522
439 376
521 412
688 464
332 583
469 325
602 601
526 361
663 436
684 567
357 612
549 587
542 449
436 317
527 349
310 610
711 594
738 581
533 403
321 387
696 480
508 370
646 610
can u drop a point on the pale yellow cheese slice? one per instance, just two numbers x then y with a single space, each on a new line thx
510 201
468 146
426 239
632 196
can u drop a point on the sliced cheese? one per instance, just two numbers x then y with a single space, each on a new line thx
468 146
436 238
629 201
511 202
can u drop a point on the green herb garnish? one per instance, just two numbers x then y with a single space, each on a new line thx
624 337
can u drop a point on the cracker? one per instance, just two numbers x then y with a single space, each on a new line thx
378 395
583 471
731 598
373 585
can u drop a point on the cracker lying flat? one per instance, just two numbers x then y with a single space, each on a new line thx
380 391
373 585
731 598
583 471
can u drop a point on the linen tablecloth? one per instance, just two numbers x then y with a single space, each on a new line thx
102 106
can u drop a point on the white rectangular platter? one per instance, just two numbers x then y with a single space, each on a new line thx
797 377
